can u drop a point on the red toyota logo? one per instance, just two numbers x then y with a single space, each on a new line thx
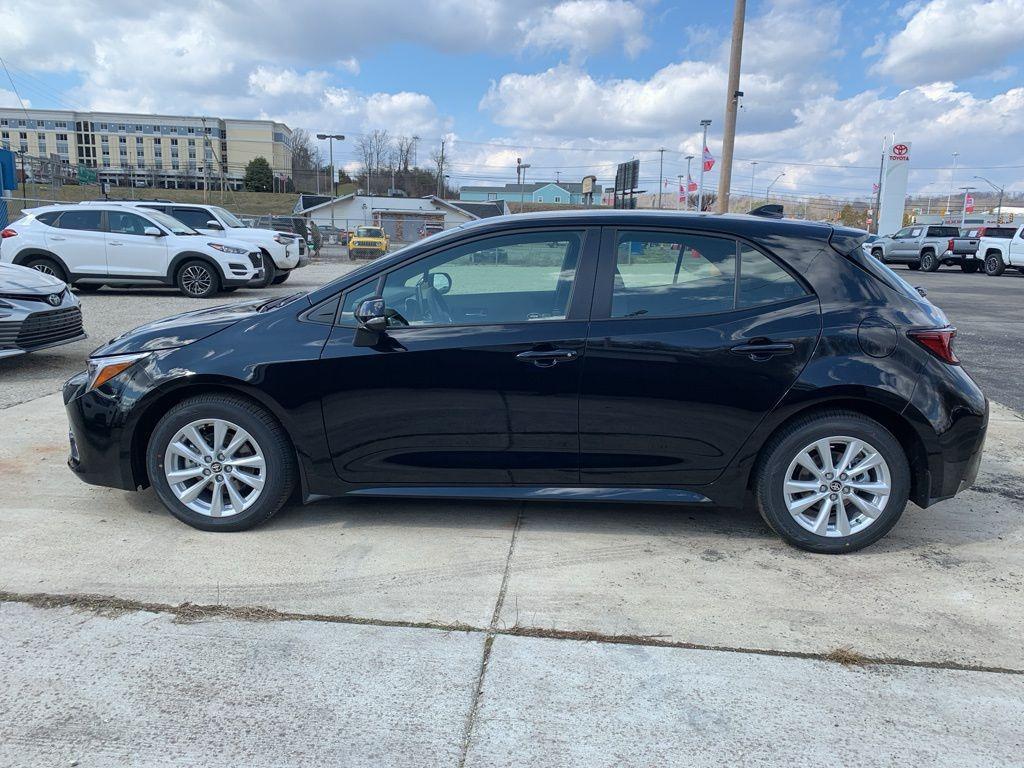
900 149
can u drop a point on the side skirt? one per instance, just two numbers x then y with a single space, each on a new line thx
538 493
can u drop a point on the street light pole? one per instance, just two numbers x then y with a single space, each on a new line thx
661 173
999 205
703 146
521 175
951 179
753 169
334 174
768 191
732 98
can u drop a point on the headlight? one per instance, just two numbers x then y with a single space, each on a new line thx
283 239
103 369
227 248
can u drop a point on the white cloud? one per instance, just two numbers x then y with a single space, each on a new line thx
10 99
265 81
350 65
952 40
582 27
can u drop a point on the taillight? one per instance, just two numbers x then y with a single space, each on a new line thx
938 341
8 233
949 246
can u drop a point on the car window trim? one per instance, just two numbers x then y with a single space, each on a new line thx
579 297
601 304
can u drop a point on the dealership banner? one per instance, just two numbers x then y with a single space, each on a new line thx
894 187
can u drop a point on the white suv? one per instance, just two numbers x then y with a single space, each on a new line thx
282 251
96 245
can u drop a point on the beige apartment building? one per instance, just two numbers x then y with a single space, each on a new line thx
146 150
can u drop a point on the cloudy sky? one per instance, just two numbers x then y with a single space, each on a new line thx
572 86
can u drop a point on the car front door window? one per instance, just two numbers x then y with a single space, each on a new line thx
516 278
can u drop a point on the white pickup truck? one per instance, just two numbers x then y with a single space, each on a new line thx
1002 247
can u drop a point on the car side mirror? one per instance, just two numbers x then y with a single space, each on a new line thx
153 232
214 224
441 282
373 322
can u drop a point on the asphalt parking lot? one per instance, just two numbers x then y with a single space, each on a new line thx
373 632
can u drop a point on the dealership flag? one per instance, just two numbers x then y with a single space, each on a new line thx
969 204
691 186
874 189
709 160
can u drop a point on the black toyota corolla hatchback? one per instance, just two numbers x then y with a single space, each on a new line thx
616 356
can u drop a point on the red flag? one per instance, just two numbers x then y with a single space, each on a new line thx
709 160
969 204
691 184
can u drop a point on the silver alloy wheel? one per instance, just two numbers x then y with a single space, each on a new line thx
837 486
215 467
46 269
196 279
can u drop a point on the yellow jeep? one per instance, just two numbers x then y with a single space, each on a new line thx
368 241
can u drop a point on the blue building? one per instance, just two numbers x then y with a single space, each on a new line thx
563 192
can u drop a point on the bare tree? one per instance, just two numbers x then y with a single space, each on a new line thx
405 152
305 153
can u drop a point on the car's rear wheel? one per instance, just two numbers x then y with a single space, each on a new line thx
47 267
929 262
832 482
994 264
281 277
970 267
198 279
220 463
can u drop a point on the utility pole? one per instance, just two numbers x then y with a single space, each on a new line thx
732 98
700 184
753 170
440 170
334 174
878 192
963 209
521 177
686 194
952 176
661 173
999 205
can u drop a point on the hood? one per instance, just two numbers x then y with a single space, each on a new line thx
25 281
179 330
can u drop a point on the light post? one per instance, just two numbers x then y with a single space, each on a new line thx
999 205
521 175
703 146
768 191
753 170
952 176
334 174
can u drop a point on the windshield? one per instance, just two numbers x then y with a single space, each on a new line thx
227 217
369 232
171 223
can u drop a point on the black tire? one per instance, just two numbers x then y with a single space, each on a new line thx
879 254
281 471
914 266
930 262
994 264
785 445
47 266
282 277
198 279
269 271
88 287
970 267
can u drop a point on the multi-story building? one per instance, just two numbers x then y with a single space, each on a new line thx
147 150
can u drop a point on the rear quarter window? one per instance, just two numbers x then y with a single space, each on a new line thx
49 218
884 274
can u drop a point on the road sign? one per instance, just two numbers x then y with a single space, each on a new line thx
86 175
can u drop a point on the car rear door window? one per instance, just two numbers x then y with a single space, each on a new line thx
667 274
762 281
81 220
49 218
515 278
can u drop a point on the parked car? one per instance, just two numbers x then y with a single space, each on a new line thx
1002 247
293 225
868 243
90 246
282 253
648 356
37 311
922 247
368 241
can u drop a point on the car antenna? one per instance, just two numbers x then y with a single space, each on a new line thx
768 211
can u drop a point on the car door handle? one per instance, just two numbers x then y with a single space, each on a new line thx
115 242
57 237
763 351
546 358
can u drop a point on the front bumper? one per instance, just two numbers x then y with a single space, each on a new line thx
28 324
97 454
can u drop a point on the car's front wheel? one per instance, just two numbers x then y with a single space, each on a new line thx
930 262
198 279
914 265
879 254
269 271
220 463
832 482
281 277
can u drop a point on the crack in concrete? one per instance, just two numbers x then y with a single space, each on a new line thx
111 607
492 629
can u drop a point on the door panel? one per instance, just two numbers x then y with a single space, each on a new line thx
129 251
80 241
478 383
668 401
